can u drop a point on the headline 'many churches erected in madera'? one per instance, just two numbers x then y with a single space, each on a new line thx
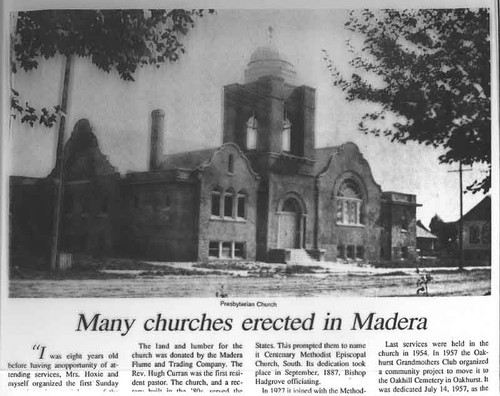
266 194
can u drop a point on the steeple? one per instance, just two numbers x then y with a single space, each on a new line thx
269 117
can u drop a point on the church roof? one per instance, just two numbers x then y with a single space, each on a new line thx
266 52
323 155
267 61
187 159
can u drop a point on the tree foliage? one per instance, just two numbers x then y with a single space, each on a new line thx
430 70
120 40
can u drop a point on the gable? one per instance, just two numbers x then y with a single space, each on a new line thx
482 211
228 160
83 158
347 159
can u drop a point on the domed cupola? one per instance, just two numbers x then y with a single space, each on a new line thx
267 61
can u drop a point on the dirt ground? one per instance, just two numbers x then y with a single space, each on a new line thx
250 280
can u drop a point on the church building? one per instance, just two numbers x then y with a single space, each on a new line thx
267 193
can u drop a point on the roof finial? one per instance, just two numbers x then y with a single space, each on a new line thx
270 34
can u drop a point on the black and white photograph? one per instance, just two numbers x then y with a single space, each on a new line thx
234 153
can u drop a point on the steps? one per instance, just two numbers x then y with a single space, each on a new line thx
298 256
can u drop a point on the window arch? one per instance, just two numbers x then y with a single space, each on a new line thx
241 205
230 164
349 203
290 205
252 127
216 201
286 136
229 203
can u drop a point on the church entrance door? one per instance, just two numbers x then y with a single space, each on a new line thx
289 220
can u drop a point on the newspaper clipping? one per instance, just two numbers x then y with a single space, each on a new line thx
266 199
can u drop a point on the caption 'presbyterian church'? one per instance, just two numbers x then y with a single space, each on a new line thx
266 194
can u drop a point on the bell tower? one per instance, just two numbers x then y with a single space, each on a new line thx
270 117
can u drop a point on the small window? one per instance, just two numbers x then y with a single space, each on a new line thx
216 203
404 252
340 251
252 126
230 164
360 252
474 235
287 136
350 252
486 234
241 206
239 250
226 251
137 202
228 204
213 249
404 223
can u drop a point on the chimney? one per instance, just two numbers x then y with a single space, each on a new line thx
156 149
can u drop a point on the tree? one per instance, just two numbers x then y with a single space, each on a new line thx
120 40
429 72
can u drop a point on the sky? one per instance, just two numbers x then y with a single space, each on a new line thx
190 93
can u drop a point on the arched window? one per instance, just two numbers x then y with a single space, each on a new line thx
290 205
216 202
241 205
286 136
252 126
229 203
349 203
230 164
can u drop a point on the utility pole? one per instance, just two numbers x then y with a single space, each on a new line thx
59 171
460 225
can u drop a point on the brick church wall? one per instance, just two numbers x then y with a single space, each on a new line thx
163 221
348 163
216 175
